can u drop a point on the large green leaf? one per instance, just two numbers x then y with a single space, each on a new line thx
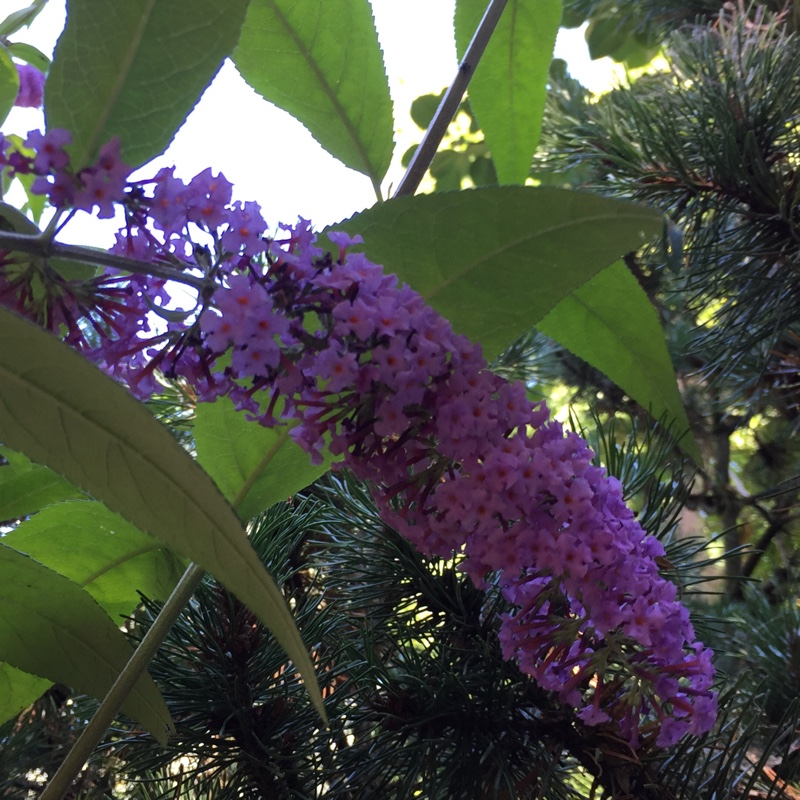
60 410
135 69
496 260
18 690
26 487
51 627
321 62
610 323
253 466
30 55
508 90
101 552
17 20
9 83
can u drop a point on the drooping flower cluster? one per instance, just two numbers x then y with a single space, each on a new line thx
459 460
31 86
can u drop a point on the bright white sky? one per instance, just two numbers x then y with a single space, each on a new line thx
271 158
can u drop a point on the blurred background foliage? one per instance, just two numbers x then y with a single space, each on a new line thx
706 128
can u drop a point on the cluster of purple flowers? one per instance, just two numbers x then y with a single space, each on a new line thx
459 460
110 304
31 87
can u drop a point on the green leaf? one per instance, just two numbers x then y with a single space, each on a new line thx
610 323
9 83
26 487
52 628
572 17
30 55
22 18
507 92
135 69
254 467
18 690
424 107
605 35
482 171
449 168
322 63
61 411
101 552
13 219
495 261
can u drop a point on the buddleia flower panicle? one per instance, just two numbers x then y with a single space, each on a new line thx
458 459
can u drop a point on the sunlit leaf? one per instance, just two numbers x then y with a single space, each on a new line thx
18 690
9 83
135 69
610 323
321 62
21 18
52 628
253 466
30 55
63 412
101 552
507 91
26 487
496 260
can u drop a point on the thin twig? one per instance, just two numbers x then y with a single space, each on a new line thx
88 740
423 155
79 753
38 246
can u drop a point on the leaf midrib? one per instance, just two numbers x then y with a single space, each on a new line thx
624 340
122 76
514 243
328 91
109 433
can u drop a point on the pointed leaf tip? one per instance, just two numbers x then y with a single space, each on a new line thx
62 411
52 628
323 64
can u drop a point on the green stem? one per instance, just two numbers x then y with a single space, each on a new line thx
89 739
40 246
49 233
79 753
423 156
376 187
